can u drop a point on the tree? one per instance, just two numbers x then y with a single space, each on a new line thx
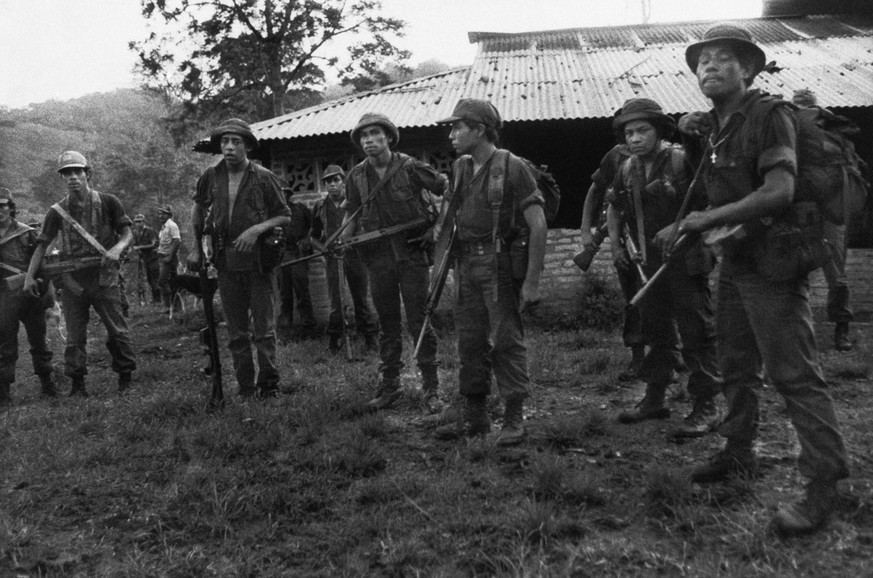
254 58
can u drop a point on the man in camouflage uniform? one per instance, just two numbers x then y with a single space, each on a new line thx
17 243
648 192
398 265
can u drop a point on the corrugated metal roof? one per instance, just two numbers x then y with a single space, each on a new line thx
589 72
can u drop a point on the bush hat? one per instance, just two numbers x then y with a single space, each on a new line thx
643 109
475 110
370 119
234 126
139 218
737 37
72 160
332 170
166 209
6 194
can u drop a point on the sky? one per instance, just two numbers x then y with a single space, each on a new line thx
63 49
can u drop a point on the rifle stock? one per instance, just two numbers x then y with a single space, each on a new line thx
49 270
585 257
659 273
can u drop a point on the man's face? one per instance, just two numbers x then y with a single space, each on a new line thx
76 179
640 137
234 149
373 140
719 72
334 184
464 138
5 211
162 217
138 225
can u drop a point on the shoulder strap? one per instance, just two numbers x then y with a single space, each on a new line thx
79 228
21 230
496 183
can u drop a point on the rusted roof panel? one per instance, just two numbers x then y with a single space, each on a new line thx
589 72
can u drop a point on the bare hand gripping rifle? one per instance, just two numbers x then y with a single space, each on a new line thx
50 270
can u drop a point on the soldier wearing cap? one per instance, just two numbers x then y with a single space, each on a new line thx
145 241
106 232
237 201
498 270
17 243
398 265
763 320
169 241
647 194
328 217
294 279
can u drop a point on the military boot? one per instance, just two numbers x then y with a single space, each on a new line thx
430 385
736 459
78 388
47 385
335 343
513 423
371 342
810 513
388 393
651 406
472 421
704 418
841 337
635 366
124 382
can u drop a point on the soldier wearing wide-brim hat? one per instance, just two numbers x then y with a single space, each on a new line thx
749 171
234 126
375 118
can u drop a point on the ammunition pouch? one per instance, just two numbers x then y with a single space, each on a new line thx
792 247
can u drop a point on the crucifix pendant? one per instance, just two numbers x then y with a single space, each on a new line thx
713 157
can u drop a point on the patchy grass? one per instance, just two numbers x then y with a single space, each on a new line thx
312 484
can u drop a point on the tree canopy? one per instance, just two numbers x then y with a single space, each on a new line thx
260 58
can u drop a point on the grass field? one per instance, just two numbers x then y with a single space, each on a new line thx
149 484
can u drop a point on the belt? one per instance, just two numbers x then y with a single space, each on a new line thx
482 247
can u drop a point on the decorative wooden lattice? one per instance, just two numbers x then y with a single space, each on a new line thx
302 177
440 160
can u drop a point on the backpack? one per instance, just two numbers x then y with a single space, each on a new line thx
829 169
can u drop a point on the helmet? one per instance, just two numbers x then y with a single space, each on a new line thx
71 160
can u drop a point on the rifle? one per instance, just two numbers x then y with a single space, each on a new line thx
49 270
442 261
634 253
347 333
361 239
216 401
659 273
584 257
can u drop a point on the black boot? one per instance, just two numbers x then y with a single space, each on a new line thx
335 343
5 396
472 421
123 382
388 393
513 423
809 514
841 337
704 418
650 407
48 387
633 369
78 389
736 459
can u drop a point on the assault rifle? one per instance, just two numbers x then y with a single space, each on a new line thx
346 321
634 253
207 289
442 262
659 273
584 257
333 245
50 270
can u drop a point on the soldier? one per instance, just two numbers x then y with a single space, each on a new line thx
17 243
648 192
498 270
145 242
328 214
294 279
89 223
247 292
385 190
169 241
763 318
